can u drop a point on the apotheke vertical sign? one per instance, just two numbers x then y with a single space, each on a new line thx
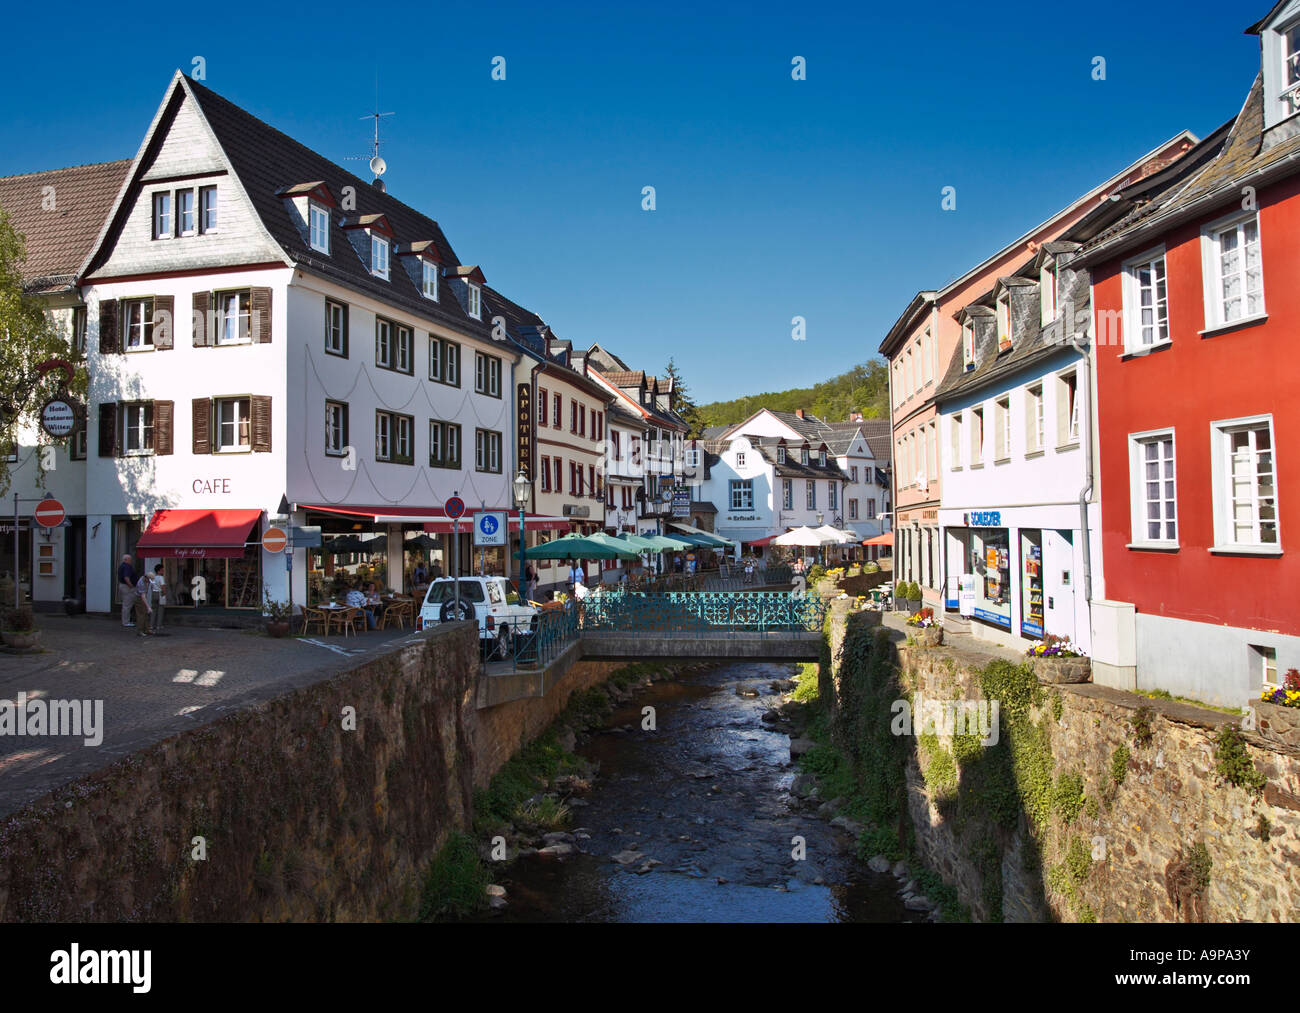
525 419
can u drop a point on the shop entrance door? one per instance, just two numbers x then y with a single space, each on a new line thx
1058 583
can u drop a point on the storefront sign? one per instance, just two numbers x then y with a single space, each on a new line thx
305 537
984 519
681 502
58 417
524 417
742 517
211 486
573 510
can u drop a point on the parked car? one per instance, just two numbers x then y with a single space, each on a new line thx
485 599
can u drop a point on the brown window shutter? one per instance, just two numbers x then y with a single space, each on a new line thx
261 307
108 444
202 304
201 419
164 322
163 413
109 342
261 411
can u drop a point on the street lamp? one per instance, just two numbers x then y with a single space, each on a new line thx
522 487
821 555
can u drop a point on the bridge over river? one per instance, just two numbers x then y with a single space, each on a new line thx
621 625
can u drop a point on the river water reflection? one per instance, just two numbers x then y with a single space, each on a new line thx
701 815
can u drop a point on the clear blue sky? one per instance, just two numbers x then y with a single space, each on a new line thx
775 198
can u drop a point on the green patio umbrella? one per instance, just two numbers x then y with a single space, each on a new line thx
641 544
576 546
664 543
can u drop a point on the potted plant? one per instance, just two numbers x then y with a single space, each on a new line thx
279 613
1057 660
929 632
1279 710
913 597
20 628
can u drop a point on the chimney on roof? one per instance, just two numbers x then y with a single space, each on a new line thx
798 413
855 416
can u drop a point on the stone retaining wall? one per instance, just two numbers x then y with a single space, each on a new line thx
301 818
1139 835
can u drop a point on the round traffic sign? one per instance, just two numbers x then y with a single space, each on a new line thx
274 540
454 507
488 524
49 513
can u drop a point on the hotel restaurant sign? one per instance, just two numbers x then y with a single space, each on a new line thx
524 417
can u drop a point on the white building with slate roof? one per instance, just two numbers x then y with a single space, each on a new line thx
271 335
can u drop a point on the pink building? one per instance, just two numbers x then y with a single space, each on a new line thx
919 347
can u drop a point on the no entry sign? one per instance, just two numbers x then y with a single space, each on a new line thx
49 513
274 540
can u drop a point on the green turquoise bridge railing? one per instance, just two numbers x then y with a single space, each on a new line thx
703 613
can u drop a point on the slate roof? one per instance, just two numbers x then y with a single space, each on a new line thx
713 432
1232 154
879 436
59 241
623 378
268 161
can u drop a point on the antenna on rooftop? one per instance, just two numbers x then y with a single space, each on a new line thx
377 164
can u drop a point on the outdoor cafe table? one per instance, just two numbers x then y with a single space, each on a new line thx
331 611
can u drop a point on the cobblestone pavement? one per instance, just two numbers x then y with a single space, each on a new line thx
152 688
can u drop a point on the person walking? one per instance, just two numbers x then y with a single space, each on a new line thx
126 581
143 610
158 599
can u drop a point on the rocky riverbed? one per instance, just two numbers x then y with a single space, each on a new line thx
694 810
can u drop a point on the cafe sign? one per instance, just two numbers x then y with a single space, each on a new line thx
524 418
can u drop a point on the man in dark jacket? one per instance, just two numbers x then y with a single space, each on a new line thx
126 581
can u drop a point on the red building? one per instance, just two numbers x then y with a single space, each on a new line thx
1196 318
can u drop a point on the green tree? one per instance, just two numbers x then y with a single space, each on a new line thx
864 388
28 337
685 407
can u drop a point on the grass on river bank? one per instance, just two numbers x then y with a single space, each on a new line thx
520 795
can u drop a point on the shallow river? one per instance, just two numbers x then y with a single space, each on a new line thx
700 810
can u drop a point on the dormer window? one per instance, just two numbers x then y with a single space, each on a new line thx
475 301
379 257
1282 72
968 345
1047 291
803 455
429 279
320 228
780 455
821 458
1004 322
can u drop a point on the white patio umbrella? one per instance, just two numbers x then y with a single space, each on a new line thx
804 536
835 535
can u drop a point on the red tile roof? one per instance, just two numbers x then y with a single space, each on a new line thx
59 239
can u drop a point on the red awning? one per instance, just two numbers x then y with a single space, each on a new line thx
198 534
434 519
531 523
761 541
381 514
886 539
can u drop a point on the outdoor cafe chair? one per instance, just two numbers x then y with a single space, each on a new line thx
314 617
346 620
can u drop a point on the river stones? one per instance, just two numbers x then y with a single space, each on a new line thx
746 691
626 857
878 863
556 851
800 746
